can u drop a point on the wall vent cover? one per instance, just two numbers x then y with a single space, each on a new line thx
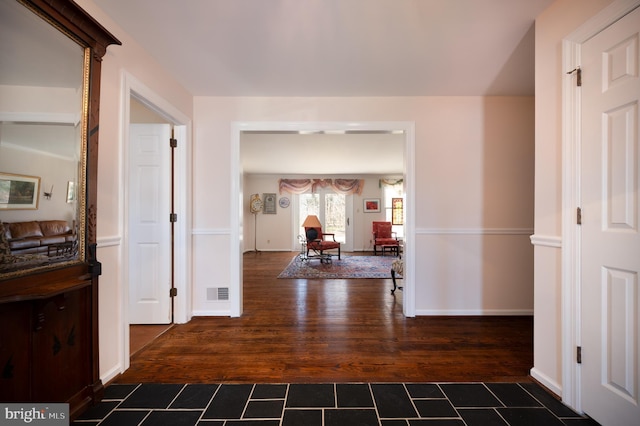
218 293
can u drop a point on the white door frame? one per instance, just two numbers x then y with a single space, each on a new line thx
571 176
237 196
131 87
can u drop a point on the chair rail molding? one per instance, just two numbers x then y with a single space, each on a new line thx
211 231
109 241
546 240
474 231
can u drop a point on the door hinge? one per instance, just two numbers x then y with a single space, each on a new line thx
579 216
173 292
173 142
579 354
578 72
173 217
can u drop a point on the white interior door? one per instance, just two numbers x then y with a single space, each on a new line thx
149 226
610 231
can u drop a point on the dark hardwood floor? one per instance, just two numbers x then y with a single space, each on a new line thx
140 335
313 331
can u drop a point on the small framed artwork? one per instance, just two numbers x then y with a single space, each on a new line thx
71 192
269 203
19 192
372 205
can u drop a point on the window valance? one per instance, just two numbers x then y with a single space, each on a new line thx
390 182
341 186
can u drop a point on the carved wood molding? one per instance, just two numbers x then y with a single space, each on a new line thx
72 19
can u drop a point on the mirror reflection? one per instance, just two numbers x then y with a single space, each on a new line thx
41 142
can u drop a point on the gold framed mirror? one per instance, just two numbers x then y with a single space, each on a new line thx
50 65
44 98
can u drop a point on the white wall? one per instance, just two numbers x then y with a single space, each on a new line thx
473 184
552 26
474 192
54 171
132 59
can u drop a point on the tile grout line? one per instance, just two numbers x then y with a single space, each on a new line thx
500 404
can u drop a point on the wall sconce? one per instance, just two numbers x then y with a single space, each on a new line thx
47 195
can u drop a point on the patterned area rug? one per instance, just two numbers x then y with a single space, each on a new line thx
347 267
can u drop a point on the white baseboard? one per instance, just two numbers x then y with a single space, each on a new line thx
474 312
211 313
111 374
546 381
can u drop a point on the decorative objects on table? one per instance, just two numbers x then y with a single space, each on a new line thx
269 203
372 205
19 192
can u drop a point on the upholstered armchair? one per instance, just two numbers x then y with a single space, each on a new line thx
383 236
316 241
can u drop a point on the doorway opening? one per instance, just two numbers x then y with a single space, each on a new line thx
140 104
237 202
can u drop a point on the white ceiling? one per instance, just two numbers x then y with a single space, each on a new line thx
338 47
324 48
322 154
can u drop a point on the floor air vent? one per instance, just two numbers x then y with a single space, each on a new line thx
218 293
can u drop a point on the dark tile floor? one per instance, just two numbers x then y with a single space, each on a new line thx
331 404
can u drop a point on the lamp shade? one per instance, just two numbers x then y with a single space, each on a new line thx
311 221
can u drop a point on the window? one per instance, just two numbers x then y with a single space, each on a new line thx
330 209
394 208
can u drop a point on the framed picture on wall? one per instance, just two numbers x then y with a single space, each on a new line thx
372 205
19 192
269 203
71 192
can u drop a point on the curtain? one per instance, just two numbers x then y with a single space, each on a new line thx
390 182
341 186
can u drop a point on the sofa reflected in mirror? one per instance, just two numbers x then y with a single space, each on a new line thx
36 243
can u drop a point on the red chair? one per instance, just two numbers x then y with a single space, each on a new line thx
384 237
316 241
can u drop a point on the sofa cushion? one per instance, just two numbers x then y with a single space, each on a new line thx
54 239
24 230
24 243
387 242
54 227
